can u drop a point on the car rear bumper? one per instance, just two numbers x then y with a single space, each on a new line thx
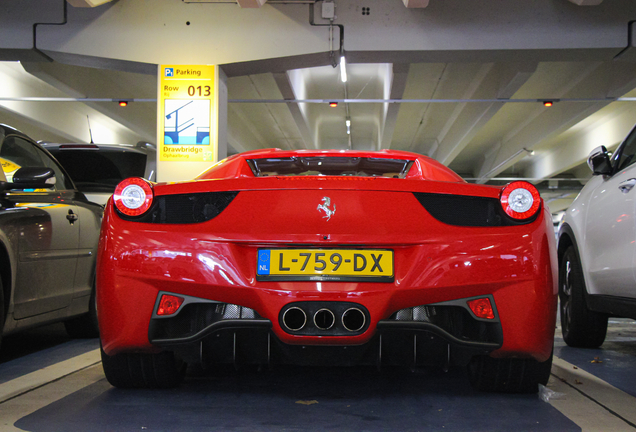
514 266
394 343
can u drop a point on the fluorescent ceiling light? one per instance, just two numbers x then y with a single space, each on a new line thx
343 70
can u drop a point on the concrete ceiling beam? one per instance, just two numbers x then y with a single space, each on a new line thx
544 125
415 128
292 86
395 85
500 81
62 119
608 128
271 123
525 136
155 32
82 82
242 135
551 125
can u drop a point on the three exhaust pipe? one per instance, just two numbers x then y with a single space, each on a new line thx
352 319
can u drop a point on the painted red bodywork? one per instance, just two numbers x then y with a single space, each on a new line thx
434 262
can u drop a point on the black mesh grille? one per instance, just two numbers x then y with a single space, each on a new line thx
471 211
185 208
455 320
195 317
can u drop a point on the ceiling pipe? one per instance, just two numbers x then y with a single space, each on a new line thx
35 29
323 101
332 54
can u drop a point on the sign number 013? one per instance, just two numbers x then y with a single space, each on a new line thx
199 91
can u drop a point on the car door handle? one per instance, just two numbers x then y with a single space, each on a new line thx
72 217
627 185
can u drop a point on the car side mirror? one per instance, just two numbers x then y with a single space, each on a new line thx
31 178
599 161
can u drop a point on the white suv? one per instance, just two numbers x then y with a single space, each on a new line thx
96 169
597 248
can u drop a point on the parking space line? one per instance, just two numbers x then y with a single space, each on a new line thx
23 405
590 402
18 386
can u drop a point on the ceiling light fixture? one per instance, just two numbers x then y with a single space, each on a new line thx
343 69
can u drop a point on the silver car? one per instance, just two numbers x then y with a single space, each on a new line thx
597 248
48 241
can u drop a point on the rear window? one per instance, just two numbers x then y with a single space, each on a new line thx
100 170
330 166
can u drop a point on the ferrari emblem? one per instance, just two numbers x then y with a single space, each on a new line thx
325 207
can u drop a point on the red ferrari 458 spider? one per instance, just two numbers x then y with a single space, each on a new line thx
327 258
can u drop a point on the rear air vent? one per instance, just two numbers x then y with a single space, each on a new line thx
195 317
186 208
455 320
463 210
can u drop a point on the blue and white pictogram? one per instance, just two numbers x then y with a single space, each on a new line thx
195 129
169 72
263 262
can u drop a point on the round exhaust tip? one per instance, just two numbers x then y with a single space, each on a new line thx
294 318
324 319
353 319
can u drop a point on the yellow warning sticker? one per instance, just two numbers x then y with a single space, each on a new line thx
8 166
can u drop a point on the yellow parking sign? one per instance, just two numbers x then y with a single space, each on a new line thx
188 113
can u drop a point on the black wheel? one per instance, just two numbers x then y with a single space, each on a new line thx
84 326
135 370
581 327
508 375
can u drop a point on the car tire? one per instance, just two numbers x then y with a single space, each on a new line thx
508 375
84 326
581 327
140 370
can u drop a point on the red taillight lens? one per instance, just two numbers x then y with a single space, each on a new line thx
169 304
520 200
133 196
482 308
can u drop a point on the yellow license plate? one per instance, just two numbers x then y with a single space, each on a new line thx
325 264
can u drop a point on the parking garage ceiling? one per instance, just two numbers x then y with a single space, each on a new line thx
463 83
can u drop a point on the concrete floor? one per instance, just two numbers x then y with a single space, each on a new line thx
62 388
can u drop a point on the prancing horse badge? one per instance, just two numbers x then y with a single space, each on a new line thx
325 207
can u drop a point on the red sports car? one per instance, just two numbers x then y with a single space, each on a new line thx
327 258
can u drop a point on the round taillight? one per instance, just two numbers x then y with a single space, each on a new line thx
520 200
133 196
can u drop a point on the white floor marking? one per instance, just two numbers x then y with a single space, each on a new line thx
601 405
14 409
588 401
18 386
